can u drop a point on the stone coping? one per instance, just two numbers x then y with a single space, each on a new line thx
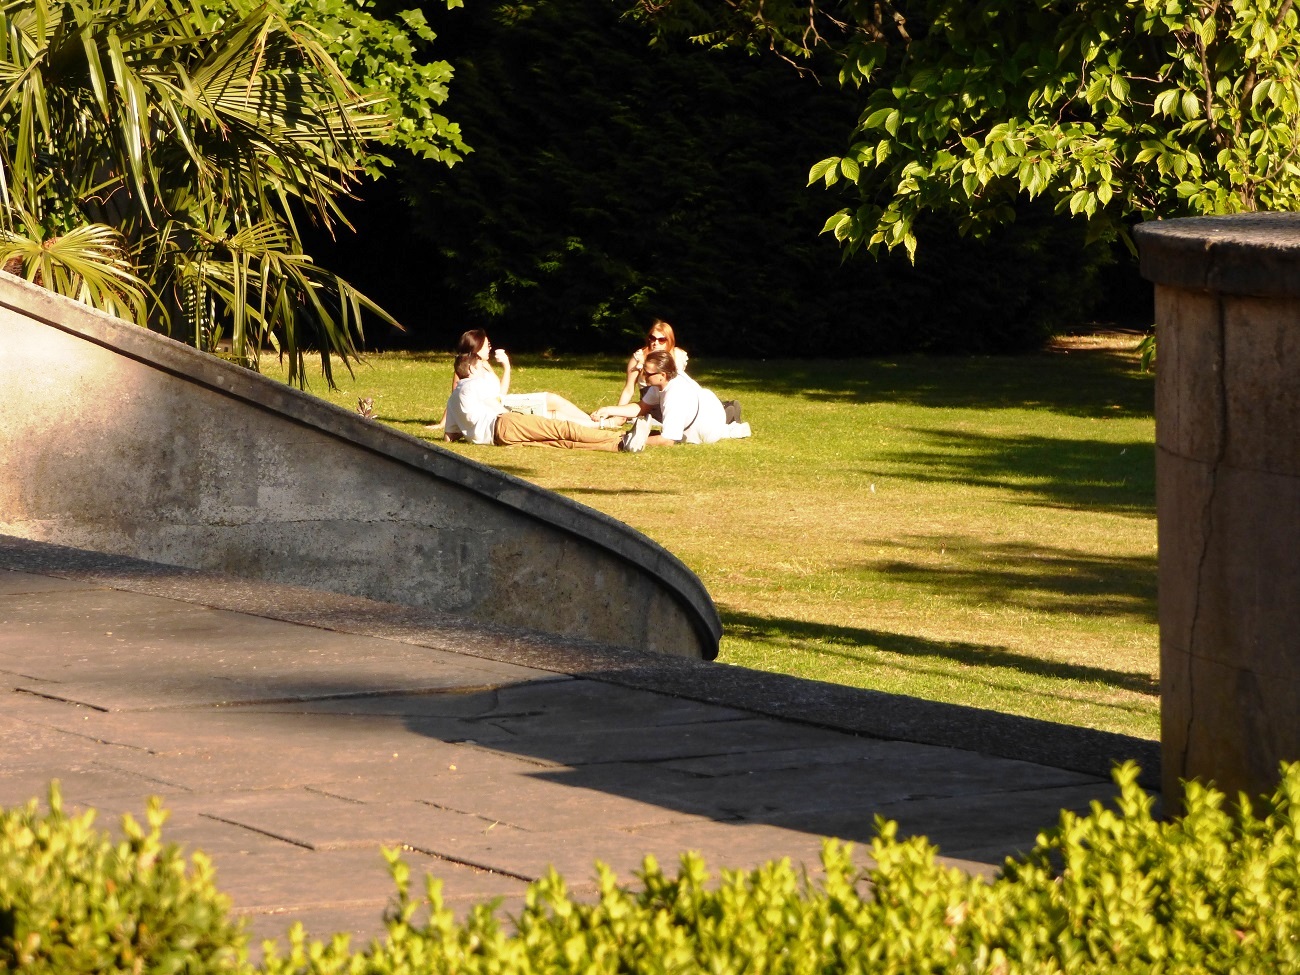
869 713
523 497
1254 254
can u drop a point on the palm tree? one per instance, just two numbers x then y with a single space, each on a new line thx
156 157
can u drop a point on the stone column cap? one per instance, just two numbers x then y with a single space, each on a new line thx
1241 254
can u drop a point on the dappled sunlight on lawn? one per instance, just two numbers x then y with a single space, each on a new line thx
1032 576
976 531
953 671
1091 383
1075 473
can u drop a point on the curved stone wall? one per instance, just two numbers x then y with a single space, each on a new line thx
119 440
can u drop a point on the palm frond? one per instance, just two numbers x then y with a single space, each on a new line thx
88 264
195 128
272 294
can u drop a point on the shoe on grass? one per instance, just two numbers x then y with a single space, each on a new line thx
633 441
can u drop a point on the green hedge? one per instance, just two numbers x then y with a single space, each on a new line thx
1113 891
72 900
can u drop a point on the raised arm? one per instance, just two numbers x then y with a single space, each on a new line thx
634 366
504 359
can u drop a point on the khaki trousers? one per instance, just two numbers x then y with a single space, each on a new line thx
522 428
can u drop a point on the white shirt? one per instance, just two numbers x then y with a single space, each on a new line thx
474 406
690 412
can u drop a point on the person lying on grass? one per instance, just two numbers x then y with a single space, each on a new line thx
688 412
475 413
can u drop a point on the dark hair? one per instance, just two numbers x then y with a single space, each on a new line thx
662 362
471 342
465 363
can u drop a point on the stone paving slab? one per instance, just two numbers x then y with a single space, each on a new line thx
526 801
984 827
471 748
85 785
320 821
666 742
27 583
871 713
793 794
104 653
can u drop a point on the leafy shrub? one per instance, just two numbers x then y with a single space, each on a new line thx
73 901
1113 891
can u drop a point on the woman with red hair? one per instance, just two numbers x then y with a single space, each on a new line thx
659 339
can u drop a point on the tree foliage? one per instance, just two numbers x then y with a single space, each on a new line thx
1111 110
157 157
614 181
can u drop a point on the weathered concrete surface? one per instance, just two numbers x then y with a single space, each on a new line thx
291 751
1228 494
120 440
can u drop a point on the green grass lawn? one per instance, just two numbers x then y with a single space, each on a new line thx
978 531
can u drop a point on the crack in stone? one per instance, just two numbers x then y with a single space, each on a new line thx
1207 528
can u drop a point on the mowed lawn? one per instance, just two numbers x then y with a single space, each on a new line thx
979 531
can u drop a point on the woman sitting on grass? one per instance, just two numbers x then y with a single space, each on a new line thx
475 342
475 414
660 339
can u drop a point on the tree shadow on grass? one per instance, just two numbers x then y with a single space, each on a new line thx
575 491
1028 576
387 418
1095 475
1086 383
776 631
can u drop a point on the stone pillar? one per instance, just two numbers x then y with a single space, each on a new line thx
1227 495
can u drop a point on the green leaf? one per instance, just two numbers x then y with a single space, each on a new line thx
877 118
820 169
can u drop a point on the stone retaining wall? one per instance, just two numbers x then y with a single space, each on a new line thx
119 440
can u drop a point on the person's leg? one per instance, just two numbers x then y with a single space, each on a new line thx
561 409
521 428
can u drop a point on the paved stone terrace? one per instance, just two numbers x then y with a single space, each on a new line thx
292 733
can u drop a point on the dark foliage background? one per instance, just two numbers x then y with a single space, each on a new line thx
613 181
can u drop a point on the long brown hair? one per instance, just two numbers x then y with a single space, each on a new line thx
667 330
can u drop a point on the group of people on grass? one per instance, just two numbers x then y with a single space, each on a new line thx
482 409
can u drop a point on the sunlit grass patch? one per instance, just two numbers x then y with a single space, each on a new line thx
978 531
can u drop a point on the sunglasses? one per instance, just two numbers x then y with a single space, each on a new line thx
652 339
647 373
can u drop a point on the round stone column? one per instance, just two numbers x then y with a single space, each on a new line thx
1227 495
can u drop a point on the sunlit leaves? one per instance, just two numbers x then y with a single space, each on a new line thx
1115 889
1114 111
88 263
157 149
382 59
